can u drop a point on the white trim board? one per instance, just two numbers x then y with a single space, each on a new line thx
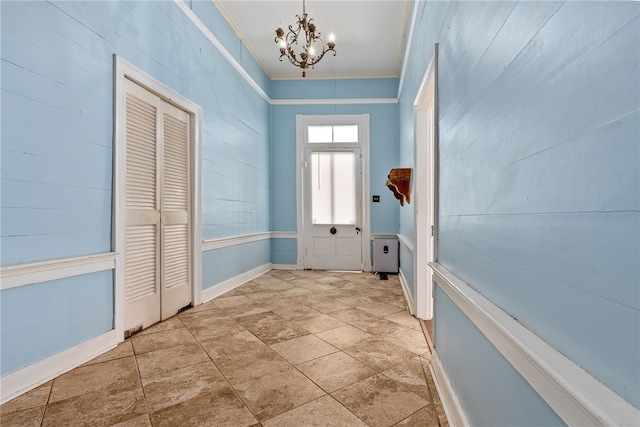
284 234
218 45
403 240
405 289
27 274
574 394
334 101
30 377
450 403
230 284
224 242
284 267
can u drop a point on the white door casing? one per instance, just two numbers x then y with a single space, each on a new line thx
425 184
353 237
176 222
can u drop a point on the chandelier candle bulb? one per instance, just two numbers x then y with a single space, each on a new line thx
307 57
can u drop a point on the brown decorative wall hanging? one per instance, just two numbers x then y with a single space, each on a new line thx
399 183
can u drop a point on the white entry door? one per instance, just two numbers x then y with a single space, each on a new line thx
157 193
332 209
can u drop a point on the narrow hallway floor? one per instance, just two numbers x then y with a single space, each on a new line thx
289 348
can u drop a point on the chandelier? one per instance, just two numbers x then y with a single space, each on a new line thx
308 56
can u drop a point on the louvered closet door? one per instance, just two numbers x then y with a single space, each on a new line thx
175 279
157 245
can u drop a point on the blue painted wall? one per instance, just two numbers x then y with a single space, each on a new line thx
222 264
57 152
539 152
40 320
507 399
284 251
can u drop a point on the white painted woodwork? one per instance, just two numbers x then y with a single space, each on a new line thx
362 186
38 272
157 246
425 176
342 250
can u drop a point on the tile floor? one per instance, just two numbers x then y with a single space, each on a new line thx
289 348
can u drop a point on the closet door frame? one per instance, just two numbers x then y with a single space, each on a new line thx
124 70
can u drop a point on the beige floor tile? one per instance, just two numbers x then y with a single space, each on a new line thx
101 408
211 364
379 401
31 417
232 301
319 323
37 397
425 417
321 412
411 340
203 329
124 349
291 312
345 337
405 318
335 371
322 303
383 328
273 333
169 359
379 308
162 339
303 349
411 376
117 373
380 355
141 421
259 319
355 317
277 393
208 309
227 345
250 365
246 310
220 408
171 388
171 323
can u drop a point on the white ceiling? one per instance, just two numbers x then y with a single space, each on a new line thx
368 34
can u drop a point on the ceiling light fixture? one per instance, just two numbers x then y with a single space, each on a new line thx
307 58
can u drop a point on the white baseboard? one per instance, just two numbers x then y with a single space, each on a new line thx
230 284
450 403
30 377
405 289
284 267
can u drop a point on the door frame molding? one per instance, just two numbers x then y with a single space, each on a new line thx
125 70
362 120
426 178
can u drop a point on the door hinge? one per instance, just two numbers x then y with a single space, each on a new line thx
432 231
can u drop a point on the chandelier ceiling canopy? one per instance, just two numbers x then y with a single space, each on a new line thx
313 48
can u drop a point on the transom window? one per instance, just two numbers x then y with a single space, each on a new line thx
332 134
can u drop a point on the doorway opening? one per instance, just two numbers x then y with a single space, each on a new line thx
332 171
157 228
